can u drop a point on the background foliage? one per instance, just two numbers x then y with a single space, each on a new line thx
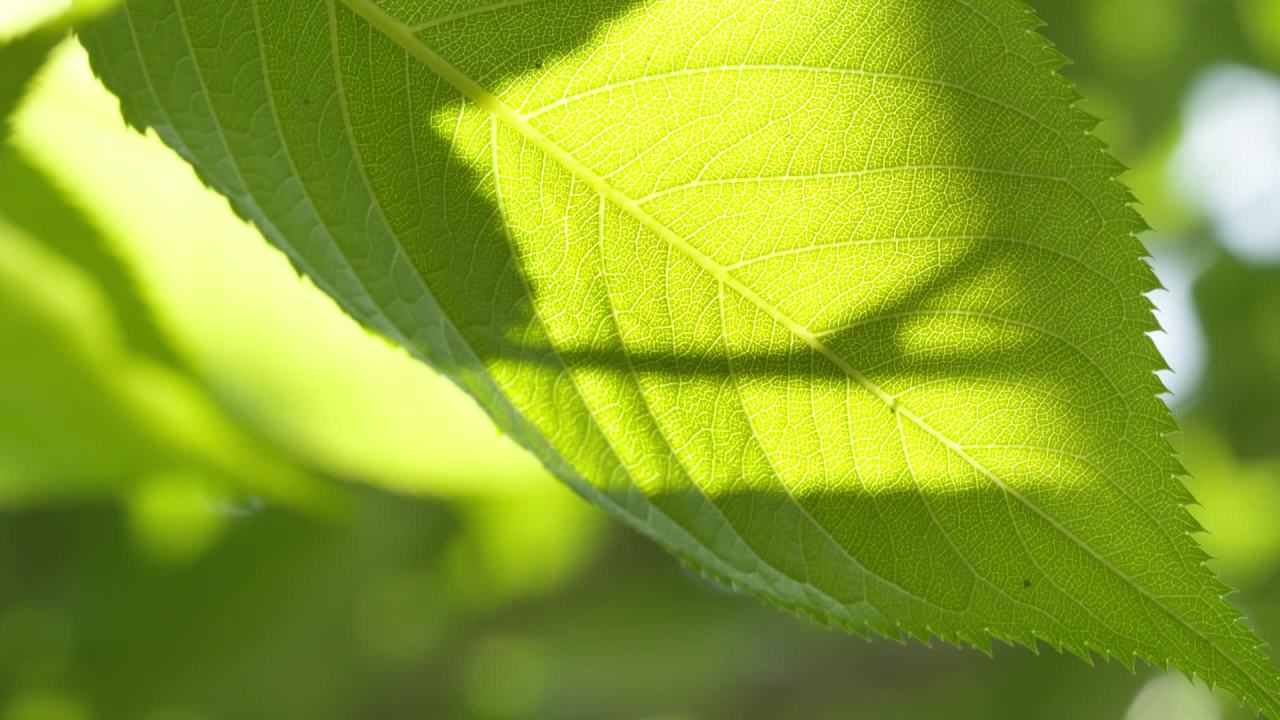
219 498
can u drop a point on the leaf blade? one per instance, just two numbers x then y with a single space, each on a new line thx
689 427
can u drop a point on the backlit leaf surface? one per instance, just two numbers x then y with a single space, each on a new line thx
839 301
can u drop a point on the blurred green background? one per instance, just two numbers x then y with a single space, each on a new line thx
221 499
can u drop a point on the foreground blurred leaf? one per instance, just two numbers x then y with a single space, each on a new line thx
28 32
164 303
277 356
93 400
839 302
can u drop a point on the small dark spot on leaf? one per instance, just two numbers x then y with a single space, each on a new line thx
1026 582
538 64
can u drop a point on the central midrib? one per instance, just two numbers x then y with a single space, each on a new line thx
473 91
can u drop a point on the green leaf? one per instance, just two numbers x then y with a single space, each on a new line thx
95 400
1239 306
276 356
839 301
29 29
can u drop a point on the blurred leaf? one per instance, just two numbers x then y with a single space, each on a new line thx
36 208
83 412
19 60
43 705
1240 501
1165 29
519 544
63 418
264 625
1261 21
1142 55
176 516
286 617
276 354
1239 305
1134 62
94 399
629 286
29 30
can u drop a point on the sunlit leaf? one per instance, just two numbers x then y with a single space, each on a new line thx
839 301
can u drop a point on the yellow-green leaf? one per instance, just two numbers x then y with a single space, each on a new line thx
839 301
